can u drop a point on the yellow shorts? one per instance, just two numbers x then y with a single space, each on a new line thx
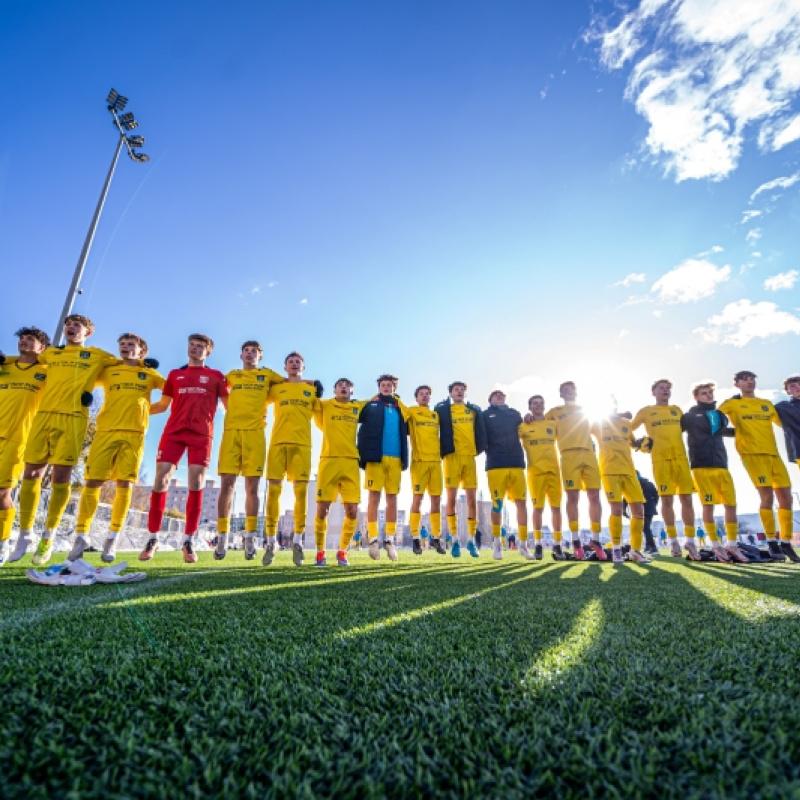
426 476
242 453
12 461
714 485
579 470
338 477
510 481
673 476
460 471
56 439
767 470
544 485
115 456
290 461
618 487
383 475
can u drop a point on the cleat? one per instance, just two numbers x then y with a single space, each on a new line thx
598 550
789 552
637 557
472 549
524 552
22 547
375 550
43 552
497 549
391 550
269 552
250 547
417 547
719 551
297 555
775 548
149 550
3 552
219 550
616 555
437 545
341 559
732 549
558 553
577 549
320 560
189 555
675 548
538 551
691 549
109 550
455 550
77 549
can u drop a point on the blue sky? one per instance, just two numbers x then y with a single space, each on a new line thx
506 193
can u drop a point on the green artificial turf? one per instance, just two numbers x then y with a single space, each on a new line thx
459 678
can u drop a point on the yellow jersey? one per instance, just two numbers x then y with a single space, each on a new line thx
72 370
21 392
127 398
248 398
752 420
463 418
539 440
615 436
295 404
663 426
423 428
339 425
572 427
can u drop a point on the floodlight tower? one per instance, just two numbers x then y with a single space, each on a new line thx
123 123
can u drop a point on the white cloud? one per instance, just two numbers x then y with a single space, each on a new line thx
783 280
706 72
777 183
255 290
748 215
753 236
623 333
755 254
304 301
633 277
691 281
272 284
658 313
520 389
743 321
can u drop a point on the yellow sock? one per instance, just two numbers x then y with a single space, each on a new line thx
6 524
120 508
320 529
300 507
711 530
472 526
416 523
523 533
29 495
452 527
372 531
497 531
689 531
731 531
348 529
59 497
436 525
273 507
767 521
250 524
223 525
390 530
786 522
615 529
537 537
557 537
637 530
672 532
595 529
87 508
574 526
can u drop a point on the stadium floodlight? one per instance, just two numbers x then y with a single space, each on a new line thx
116 104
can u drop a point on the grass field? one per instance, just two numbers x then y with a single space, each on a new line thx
463 679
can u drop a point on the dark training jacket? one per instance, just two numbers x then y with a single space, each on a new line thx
446 445
503 445
370 433
789 412
705 449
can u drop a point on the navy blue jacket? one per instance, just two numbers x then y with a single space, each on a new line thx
446 444
370 434
705 449
789 412
503 445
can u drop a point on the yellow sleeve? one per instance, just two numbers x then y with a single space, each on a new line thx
638 420
403 408
318 409
775 418
726 408
274 377
550 415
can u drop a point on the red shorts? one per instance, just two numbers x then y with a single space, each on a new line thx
172 446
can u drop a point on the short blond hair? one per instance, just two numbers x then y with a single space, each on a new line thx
661 380
704 385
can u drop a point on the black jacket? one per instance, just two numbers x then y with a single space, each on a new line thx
705 449
370 433
446 444
650 497
789 412
503 446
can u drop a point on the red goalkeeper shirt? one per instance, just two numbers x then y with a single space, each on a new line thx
194 392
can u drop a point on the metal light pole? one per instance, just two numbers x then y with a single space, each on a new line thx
116 104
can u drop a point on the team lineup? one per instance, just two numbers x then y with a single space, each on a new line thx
46 392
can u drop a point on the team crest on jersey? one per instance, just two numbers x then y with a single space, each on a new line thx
142 376
549 431
674 413
260 378
204 379
85 354
306 394
764 408
39 376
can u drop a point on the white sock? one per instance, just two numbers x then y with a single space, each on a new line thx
48 534
25 534
472 540
112 535
271 540
297 539
187 537
772 538
80 536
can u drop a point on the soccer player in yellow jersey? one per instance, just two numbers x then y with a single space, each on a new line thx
243 450
579 469
664 441
338 474
426 468
290 452
752 419
620 481
22 382
538 437
118 447
59 428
